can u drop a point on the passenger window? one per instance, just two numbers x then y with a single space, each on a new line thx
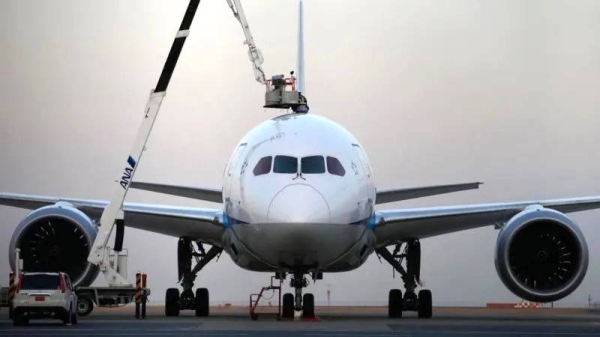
335 167
285 164
263 166
313 165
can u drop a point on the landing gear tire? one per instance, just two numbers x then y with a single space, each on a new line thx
424 304
308 306
172 302
84 306
202 308
287 310
395 303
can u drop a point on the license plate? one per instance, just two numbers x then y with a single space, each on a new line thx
40 298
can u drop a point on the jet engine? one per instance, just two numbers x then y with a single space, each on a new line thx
541 255
56 238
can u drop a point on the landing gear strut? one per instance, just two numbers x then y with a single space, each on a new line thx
411 254
186 251
297 302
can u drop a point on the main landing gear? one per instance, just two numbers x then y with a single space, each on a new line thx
187 300
297 302
422 303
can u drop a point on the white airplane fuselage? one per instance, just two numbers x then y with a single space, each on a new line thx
298 194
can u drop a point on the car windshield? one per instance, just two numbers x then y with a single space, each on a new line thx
285 164
40 282
313 165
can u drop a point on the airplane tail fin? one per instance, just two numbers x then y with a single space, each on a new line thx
300 56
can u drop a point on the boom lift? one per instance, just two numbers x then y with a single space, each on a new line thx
113 213
280 93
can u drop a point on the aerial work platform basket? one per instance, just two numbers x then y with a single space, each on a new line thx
282 93
275 290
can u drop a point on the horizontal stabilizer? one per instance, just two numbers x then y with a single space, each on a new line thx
206 194
391 195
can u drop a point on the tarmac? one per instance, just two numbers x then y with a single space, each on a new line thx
331 322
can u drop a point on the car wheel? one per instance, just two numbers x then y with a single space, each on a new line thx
19 319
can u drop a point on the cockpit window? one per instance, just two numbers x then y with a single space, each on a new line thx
285 164
313 165
263 166
335 167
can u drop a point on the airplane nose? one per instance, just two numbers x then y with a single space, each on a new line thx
299 203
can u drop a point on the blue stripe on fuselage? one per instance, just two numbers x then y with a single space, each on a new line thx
229 221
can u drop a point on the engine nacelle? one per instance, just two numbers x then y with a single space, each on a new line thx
541 255
56 238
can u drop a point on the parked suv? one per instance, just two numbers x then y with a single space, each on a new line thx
44 295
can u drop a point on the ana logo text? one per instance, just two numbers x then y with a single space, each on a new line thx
126 178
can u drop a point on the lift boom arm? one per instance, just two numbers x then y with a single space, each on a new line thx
277 94
254 53
113 213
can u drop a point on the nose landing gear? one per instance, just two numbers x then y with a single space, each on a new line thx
297 302
422 303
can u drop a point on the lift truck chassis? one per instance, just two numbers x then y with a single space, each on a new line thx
88 297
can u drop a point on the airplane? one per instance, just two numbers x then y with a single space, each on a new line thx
298 199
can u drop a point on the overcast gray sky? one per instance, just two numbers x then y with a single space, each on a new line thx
504 92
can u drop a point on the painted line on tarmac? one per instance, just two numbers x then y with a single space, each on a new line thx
358 333
509 333
140 333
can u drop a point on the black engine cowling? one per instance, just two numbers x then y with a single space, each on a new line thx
56 238
541 255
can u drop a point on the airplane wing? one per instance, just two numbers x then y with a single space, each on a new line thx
199 223
419 223
206 194
397 194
